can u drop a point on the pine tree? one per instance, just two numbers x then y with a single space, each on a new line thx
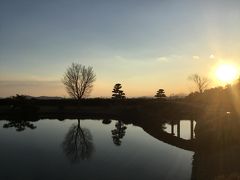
117 93
160 94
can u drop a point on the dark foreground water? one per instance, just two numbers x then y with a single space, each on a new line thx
89 149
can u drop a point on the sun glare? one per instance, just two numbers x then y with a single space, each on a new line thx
226 73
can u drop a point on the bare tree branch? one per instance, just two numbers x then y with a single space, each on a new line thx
201 82
79 80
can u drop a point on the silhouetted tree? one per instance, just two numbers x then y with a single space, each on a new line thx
78 80
117 93
19 97
24 106
78 143
201 82
160 94
118 133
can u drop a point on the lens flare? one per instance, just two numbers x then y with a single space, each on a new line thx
226 73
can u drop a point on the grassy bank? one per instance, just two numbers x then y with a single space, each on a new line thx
127 108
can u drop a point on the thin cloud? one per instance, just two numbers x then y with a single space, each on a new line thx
212 56
196 57
119 58
162 59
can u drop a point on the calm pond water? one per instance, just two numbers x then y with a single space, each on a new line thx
89 149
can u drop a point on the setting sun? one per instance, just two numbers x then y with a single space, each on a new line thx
226 73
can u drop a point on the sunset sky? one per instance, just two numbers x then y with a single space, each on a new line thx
144 45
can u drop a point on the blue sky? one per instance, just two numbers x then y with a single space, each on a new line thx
145 45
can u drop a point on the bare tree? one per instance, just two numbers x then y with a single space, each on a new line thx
201 82
78 80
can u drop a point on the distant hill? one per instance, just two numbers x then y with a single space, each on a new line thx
39 97
47 97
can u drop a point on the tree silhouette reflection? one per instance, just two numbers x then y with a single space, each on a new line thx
118 133
78 144
106 121
20 125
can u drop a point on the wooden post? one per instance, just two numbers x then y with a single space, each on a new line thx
178 129
172 128
191 129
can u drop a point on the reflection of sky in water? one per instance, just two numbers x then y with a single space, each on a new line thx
38 154
185 131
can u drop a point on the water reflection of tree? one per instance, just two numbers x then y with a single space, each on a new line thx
118 133
21 121
21 114
106 121
78 144
20 125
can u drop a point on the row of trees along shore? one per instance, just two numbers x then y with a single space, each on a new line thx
79 79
